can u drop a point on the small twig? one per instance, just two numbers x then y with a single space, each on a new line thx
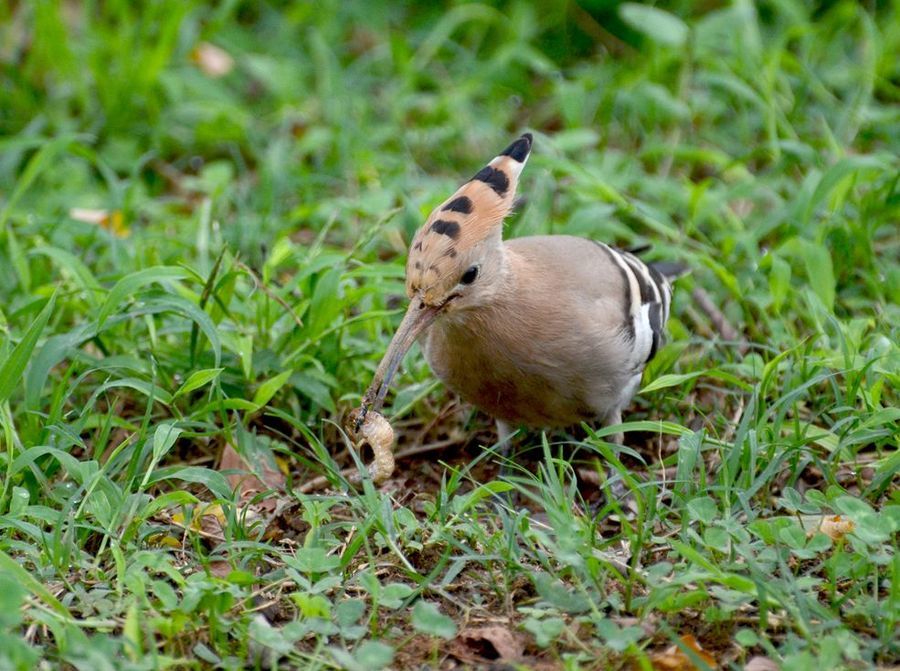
352 473
321 482
592 28
429 447
719 321
735 419
268 292
169 173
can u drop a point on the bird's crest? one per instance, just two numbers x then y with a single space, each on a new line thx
472 215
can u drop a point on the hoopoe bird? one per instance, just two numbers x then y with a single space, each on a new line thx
544 331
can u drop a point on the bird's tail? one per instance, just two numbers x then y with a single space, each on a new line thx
671 270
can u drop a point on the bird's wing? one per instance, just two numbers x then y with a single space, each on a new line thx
646 299
634 297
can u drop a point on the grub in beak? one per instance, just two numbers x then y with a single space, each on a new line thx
378 433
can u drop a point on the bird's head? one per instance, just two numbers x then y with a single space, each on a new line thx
456 258
456 255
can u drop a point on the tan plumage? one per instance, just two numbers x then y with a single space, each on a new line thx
542 331
549 355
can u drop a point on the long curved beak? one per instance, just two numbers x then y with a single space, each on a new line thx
418 317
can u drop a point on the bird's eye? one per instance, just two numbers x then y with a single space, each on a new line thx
469 276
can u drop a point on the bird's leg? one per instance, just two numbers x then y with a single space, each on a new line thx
612 419
504 448
613 486
504 432
504 445
616 486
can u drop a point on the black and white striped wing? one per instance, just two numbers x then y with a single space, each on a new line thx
645 303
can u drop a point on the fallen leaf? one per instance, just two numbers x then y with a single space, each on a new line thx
208 519
492 643
113 221
220 569
836 526
246 482
760 663
213 60
674 658
163 540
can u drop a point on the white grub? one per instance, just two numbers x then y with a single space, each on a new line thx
379 434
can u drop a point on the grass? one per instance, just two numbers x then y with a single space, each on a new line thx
198 275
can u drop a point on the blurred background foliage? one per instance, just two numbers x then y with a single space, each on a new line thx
218 197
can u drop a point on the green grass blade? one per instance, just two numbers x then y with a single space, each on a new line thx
12 369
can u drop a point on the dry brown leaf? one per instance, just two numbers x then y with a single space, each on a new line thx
760 663
492 643
673 658
213 60
220 569
113 221
248 484
836 526
231 461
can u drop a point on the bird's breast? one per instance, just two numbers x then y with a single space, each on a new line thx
510 370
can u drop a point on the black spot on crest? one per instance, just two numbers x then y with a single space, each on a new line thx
418 246
519 150
451 252
462 204
496 179
418 265
444 227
